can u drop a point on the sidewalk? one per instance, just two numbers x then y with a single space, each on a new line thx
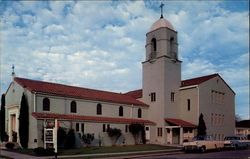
112 155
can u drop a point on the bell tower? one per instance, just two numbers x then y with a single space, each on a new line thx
161 76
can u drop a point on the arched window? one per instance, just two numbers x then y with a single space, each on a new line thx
120 111
46 104
139 113
172 49
99 109
154 46
73 107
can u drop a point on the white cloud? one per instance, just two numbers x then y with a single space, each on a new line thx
101 44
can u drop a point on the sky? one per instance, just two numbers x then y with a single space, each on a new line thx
101 44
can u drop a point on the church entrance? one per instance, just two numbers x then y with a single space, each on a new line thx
13 135
147 133
176 135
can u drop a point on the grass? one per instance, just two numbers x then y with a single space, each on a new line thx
3 157
96 150
113 149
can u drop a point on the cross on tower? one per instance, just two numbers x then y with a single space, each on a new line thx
161 6
13 70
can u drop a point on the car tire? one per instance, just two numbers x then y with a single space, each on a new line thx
235 147
203 149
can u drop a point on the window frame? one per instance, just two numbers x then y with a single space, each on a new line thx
73 107
46 104
188 104
99 109
121 111
159 132
139 113
172 97
153 96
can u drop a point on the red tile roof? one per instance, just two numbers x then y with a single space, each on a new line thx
135 94
89 118
243 124
198 80
77 92
189 82
179 122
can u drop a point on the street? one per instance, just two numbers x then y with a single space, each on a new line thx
229 154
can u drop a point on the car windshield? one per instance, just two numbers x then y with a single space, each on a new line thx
231 138
199 138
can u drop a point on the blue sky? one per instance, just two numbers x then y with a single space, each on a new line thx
101 44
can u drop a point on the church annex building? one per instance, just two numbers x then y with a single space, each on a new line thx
168 107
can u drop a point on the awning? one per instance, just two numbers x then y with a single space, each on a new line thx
89 118
179 122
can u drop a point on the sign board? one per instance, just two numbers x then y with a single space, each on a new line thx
48 135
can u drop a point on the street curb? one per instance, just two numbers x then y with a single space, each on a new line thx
125 154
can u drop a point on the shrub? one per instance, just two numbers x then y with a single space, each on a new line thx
24 122
9 145
61 135
114 133
40 151
136 129
70 139
88 138
2 119
201 126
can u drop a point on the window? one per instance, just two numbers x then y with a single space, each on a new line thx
82 128
172 96
188 104
99 109
159 131
212 119
77 127
185 130
120 111
104 127
73 107
108 127
126 128
139 113
172 49
153 97
46 104
154 46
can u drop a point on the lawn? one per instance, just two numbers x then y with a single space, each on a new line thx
96 150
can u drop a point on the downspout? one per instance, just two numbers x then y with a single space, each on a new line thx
34 102
131 112
198 102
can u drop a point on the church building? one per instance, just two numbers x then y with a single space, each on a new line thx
167 106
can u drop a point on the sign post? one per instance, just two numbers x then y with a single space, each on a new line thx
55 137
50 136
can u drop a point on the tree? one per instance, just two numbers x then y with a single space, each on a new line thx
3 134
61 135
137 129
88 138
70 139
24 122
201 126
237 118
115 134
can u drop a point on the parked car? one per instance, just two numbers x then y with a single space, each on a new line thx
236 142
203 143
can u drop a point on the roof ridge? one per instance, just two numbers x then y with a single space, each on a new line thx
200 77
75 91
